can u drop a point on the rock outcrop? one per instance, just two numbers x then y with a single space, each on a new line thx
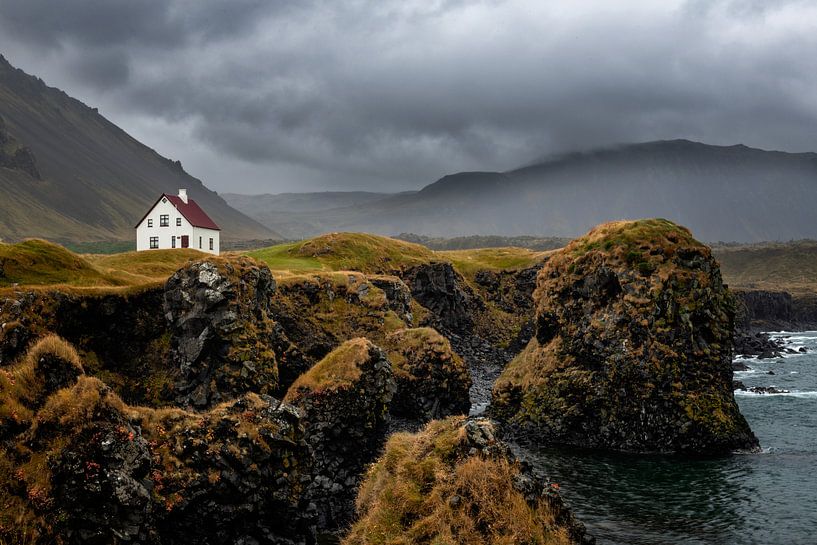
431 380
222 333
632 350
454 482
443 291
80 466
345 402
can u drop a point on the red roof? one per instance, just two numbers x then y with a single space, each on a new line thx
190 210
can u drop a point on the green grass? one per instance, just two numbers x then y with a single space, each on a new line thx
790 266
38 262
345 251
468 262
101 247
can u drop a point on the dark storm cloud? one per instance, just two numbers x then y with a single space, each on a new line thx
392 94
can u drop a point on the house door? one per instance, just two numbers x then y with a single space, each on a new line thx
185 241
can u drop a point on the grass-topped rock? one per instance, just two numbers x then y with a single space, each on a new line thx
632 349
454 483
432 380
345 401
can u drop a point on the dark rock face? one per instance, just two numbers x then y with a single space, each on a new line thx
243 464
397 294
101 480
431 380
14 156
345 401
441 289
633 348
223 336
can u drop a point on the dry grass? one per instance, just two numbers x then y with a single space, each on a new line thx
69 408
468 262
339 369
424 490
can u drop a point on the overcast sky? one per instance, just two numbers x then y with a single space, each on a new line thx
270 96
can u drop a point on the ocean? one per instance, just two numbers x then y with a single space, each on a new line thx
764 498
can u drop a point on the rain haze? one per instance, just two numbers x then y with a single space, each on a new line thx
266 97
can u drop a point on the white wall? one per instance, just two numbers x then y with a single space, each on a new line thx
165 234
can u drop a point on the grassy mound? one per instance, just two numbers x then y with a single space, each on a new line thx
339 370
345 251
135 268
431 488
38 262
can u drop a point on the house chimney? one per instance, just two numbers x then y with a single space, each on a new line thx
183 195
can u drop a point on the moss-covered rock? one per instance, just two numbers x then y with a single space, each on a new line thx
318 312
632 348
432 381
345 402
223 335
453 482
79 466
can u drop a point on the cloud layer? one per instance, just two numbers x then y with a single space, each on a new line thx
257 96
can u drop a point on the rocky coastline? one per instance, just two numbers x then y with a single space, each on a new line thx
232 406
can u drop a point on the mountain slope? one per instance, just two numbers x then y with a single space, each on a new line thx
730 193
69 174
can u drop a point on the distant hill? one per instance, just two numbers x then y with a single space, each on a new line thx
723 193
298 215
68 174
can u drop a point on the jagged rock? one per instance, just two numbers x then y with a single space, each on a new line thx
443 291
454 482
345 400
431 380
632 348
397 293
223 335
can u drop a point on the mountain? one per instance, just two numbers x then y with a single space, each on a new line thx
70 175
729 193
298 215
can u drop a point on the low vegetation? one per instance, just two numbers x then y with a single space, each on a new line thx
790 266
434 487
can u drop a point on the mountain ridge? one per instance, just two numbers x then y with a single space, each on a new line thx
95 180
724 193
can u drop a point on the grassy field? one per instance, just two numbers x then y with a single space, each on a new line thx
37 262
790 266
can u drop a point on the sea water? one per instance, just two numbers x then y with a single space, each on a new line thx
764 498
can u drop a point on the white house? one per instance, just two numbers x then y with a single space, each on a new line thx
177 222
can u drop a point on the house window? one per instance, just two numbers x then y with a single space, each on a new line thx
173 241
211 244
150 223
178 222
164 220
154 243
199 243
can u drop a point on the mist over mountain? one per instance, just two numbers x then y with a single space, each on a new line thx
727 193
69 174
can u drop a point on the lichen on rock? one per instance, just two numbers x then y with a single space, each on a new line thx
632 349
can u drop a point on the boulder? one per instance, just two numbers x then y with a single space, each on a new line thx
454 482
633 348
345 403
431 380
222 333
443 291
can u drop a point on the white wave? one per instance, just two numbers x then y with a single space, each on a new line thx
792 393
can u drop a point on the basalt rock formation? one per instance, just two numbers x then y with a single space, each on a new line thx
442 290
345 401
454 482
222 333
79 466
431 380
633 348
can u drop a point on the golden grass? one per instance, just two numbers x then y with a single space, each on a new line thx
468 262
427 489
338 370
790 266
